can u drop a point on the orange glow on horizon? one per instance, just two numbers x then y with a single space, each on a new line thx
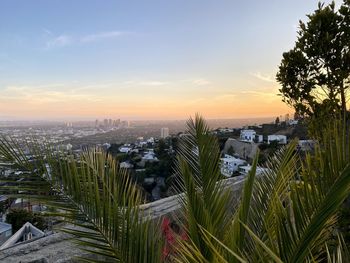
231 107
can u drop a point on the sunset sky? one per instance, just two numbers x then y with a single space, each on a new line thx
151 59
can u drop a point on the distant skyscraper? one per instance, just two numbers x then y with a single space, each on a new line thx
287 117
123 124
105 122
96 123
164 132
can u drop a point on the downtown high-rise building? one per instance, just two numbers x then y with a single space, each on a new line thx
164 132
105 122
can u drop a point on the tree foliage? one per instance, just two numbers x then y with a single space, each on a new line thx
277 121
314 74
18 217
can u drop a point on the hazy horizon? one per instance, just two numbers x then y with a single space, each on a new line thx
62 120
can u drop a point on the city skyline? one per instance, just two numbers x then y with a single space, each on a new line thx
150 60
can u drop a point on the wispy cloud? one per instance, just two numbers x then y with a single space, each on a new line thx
260 93
152 83
63 40
47 93
47 31
200 82
101 36
59 41
264 77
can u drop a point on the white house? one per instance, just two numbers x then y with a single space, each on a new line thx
106 145
126 165
149 156
250 136
126 148
293 122
151 140
244 170
230 164
141 143
281 139
135 150
64 147
306 145
224 130
247 135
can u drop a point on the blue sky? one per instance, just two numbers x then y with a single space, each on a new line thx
144 59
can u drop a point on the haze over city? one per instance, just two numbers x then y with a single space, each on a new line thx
150 60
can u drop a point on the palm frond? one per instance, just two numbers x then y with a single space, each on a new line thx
235 236
289 213
340 253
205 203
298 206
93 194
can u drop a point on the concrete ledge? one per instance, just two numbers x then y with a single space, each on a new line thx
53 248
169 205
59 248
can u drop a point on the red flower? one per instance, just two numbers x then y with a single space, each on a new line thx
171 232
165 224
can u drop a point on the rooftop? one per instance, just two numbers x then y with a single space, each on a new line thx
4 227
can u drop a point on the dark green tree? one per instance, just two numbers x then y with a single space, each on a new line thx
277 121
315 74
161 148
18 217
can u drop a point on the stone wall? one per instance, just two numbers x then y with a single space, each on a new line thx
58 247
242 149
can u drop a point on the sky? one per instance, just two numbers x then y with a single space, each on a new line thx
151 59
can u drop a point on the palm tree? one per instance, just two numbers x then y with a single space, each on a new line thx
93 195
288 214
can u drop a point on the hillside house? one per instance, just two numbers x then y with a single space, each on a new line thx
247 135
244 170
149 156
126 148
281 139
230 164
126 165
306 145
250 136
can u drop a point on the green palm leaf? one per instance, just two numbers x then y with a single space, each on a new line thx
205 203
93 194
286 215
